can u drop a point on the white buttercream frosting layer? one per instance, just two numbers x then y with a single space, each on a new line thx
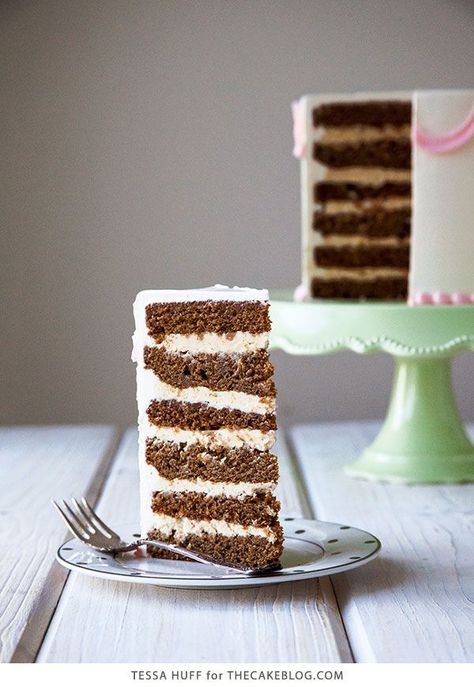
361 133
360 272
229 438
210 342
235 342
153 481
368 175
349 240
182 527
334 207
150 387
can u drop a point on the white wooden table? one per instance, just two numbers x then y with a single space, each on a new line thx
415 603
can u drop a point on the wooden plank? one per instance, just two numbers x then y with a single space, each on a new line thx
137 623
416 602
37 463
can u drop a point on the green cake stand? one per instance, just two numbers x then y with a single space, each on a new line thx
422 439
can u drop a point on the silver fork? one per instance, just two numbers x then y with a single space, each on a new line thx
85 524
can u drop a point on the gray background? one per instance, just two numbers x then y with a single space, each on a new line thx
148 144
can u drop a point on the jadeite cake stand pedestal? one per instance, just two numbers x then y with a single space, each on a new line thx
422 438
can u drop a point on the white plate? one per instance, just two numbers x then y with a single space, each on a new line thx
311 549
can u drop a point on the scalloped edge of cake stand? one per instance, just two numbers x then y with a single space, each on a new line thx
374 345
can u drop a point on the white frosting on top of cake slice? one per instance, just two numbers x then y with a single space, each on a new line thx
218 292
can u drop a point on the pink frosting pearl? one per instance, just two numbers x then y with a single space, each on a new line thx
422 298
300 293
460 298
441 298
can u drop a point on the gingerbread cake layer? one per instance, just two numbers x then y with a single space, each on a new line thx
324 191
248 551
259 510
391 288
203 417
214 464
385 153
249 373
371 113
371 223
199 317
362 256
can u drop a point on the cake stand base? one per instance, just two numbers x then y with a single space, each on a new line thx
422 439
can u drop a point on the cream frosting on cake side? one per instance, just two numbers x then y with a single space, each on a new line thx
442 256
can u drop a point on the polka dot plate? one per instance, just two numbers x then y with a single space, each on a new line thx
312 549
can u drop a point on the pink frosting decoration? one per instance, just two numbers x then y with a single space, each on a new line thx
460 298
441 298
421 298
445 143
299 129
301 293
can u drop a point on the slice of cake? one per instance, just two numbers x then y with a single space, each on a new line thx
206 416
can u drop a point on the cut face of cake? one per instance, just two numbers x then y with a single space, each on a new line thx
387 210
356 195
206 414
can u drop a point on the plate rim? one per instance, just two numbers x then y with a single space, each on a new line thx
229 582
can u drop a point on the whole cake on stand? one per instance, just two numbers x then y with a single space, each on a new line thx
388 214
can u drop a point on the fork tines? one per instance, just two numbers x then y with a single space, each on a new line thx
82 520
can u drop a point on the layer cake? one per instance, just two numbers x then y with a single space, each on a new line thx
386 208
206 416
